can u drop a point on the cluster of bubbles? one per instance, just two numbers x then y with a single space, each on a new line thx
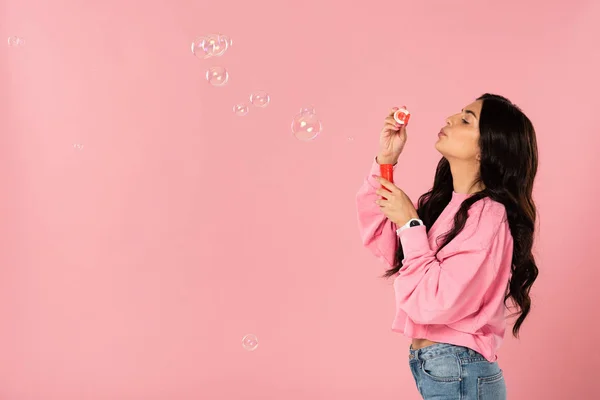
15 41
210 46
306 125
259 99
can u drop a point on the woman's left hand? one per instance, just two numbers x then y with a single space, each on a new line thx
394 203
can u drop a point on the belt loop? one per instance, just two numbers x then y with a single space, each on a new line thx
412 354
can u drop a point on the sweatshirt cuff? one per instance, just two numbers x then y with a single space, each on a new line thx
376 170
414 241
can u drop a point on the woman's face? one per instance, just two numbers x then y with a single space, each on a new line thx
459 139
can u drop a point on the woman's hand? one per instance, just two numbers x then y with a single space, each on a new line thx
391 139
394 203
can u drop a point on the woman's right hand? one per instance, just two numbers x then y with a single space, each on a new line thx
391 140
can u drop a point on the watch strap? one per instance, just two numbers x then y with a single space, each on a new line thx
411 223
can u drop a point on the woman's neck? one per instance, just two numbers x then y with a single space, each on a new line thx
465 177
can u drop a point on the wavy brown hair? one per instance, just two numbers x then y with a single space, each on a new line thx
509 162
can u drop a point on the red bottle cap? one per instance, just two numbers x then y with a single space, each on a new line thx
402 116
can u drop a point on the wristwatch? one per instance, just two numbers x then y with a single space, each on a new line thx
411 222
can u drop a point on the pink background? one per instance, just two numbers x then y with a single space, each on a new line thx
132 268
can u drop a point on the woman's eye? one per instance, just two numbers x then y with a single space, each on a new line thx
465 121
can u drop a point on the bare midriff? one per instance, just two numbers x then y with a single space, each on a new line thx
420 343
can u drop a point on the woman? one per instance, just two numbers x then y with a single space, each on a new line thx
464 251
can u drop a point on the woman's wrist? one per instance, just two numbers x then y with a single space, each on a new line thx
386 159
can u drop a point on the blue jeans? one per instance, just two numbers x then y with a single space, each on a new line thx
447 372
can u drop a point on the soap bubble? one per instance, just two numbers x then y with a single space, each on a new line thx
217 44
220 44
227 39
217 76
260 98
306 125
250 342
241 109
212 45
15 41
200 48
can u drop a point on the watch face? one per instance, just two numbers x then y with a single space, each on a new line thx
414 223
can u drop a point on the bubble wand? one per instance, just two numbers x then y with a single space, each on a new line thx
401 116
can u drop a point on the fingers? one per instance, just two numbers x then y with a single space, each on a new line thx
383 193
382 202
391 120
386 184
391 128
391 124
393 110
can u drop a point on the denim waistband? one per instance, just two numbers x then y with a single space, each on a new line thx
439 349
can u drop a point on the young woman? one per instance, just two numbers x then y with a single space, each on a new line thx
463 251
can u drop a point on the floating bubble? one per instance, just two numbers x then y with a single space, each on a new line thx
250 342
241 109
220 44
212 45
15 41
306 125
217 44
200 48
217 76
78 146
227 39
260 98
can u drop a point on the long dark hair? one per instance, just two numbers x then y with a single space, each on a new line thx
509 162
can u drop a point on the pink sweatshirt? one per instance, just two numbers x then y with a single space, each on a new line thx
458 296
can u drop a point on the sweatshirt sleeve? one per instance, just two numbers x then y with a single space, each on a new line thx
451 286
377 232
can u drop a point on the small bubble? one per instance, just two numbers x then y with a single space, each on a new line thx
15 41
260 98
250 342
241 109
306 125
217 76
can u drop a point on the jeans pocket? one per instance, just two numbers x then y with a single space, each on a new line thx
491 387
444 368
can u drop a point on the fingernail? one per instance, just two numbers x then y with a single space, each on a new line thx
395 108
